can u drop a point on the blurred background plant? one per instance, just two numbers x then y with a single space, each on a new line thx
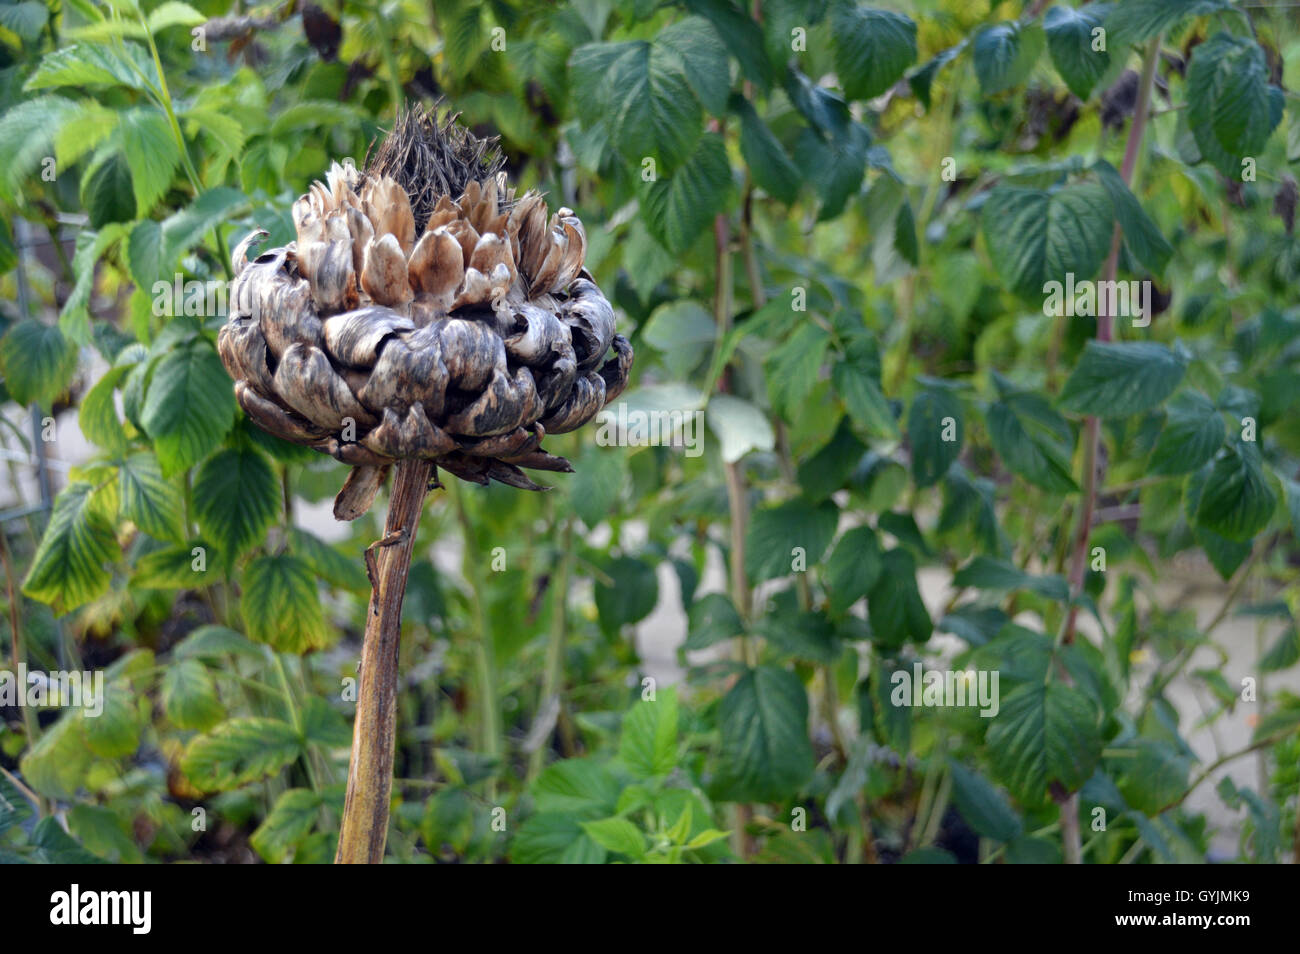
824 225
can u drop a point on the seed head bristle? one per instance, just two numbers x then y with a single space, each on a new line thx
429 159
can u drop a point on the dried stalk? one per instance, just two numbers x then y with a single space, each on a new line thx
370 775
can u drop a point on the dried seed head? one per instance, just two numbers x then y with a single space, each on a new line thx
423 312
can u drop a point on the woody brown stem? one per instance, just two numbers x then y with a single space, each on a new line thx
370 775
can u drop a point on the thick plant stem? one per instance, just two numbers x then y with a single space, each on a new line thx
370 774
1070 835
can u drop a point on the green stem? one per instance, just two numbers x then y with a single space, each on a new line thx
554 671
485 655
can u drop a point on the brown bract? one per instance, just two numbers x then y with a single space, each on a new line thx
465 340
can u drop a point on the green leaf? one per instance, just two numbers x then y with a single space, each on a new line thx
739 426
631 594
326 560
769 164
1154 776
281 607
27 134
617 835
290 821
144 253
95 64
648 744
69 566
596 488
240 751
644 91
1033 440
742 36
935 430
872 48
679 207
182 230
172 568
1284 653
775 532
149 500
115 731
580 787
1192 433
832 467
865 402
236 497
1232 109
98 414
683 331
1141 236
26 19
853 569
794 368
1035 237
107 190
1045 733
1070 42
189 696
549 838
894 605
982 805
712 619
702 58
1136 21
189 406
835 165
216 642
1236 502
56 764
1119 379
152 153
987 573
38 362
1004 54
765 754
324 725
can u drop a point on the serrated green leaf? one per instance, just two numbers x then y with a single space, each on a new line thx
775 533
189 696
1232 109
1004 54
38 362
189 405
1071 43
1192 433
152 153
1236 502
1119 379
765 754
648 744
679 207
1035 237
240 751
936 428
281 607
1044 733
148 499
289 821
872 48
69 568
853 569
982 805
1033 441
894 604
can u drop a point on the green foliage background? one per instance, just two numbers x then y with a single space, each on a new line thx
827 226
